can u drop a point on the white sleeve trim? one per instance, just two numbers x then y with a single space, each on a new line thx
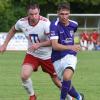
53 37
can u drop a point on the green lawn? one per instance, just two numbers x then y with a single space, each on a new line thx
86 78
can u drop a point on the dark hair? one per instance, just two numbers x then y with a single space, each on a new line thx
64 5
33 6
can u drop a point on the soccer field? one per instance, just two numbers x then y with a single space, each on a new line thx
86 78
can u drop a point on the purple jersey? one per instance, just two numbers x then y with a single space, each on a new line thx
65 36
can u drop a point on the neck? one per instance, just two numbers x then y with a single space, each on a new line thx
33 22
65 23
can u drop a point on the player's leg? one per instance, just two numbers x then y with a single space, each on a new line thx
26 80
66 83
65 72
48 67
58 83
27 69
70 97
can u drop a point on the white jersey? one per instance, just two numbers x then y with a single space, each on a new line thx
34 34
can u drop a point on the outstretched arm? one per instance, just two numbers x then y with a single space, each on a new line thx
8 38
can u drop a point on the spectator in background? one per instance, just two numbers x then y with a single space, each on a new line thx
94 38
97 46
84 38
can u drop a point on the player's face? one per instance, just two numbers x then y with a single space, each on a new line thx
33 14
64 15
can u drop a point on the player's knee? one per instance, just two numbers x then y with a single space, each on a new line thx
26 72
68 73
25 76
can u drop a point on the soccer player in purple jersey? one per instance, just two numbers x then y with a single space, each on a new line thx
64 50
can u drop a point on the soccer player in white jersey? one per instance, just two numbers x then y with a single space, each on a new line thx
36 30
64 50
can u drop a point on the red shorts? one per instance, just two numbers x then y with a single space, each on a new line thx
46 65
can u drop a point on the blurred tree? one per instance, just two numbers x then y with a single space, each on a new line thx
93 2
5 14
12 10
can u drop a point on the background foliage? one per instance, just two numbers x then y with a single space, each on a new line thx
12 10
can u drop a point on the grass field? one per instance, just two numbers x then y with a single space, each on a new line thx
86 78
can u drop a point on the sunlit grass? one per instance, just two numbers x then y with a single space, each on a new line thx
86 78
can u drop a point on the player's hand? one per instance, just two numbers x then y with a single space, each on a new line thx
75 48
34 47
3 48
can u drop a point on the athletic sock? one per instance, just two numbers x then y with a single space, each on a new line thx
65 88
73 92
28 86
79 97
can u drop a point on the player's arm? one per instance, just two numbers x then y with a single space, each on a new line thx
8 38
9 35
47 33
35 46
60 47
45 43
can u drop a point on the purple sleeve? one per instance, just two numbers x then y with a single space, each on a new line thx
53 30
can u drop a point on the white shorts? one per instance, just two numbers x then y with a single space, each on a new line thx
62 64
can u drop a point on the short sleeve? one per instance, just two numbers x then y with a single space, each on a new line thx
47 27
17 25
53 31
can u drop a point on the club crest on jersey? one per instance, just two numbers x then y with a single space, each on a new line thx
71 32
68 40
61 32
